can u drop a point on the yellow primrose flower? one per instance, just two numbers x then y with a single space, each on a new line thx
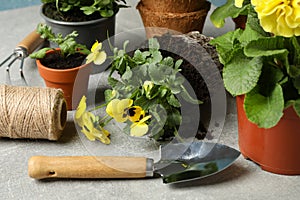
136 113
97 56
239 3
279 17
81 109
118 109
140 128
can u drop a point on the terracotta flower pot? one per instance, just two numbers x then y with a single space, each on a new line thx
174 6
158 23
73 82
275 149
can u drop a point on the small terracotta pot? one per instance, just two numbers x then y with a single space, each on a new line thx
73 82
158 23
275 149
174 6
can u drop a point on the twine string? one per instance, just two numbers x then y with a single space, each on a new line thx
31 112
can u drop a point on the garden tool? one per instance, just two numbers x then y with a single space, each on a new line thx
178 162
23 49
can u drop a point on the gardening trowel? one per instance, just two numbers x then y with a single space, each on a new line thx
197 160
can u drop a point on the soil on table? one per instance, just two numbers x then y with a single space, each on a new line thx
76 15
57 61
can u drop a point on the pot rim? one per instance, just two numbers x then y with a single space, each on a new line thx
39 64
74 23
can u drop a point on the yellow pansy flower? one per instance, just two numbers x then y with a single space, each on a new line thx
97 56
140 128
279 17
136 113
81 109
102 135
118 109
91 132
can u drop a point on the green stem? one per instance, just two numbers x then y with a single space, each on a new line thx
98 107
178 136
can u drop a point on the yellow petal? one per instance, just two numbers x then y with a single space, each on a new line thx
111 107
100 135
124 103
106 132
138 129
100 58
80 110
136 113
94 47
239 3
90 58
88 134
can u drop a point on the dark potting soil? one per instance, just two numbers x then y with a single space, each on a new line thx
76 15
56 61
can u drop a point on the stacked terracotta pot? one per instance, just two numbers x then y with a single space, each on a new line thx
175 16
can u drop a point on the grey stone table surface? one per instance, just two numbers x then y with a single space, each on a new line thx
243 180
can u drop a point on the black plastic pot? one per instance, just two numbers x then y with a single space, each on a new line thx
89 31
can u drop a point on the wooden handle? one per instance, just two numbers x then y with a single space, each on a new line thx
40 167
31 41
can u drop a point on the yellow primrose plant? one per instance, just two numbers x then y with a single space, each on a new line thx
262 61
144 95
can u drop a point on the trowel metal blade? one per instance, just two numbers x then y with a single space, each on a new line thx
193 164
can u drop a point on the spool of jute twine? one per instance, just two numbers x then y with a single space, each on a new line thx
32 112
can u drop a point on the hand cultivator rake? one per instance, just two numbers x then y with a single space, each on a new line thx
23 49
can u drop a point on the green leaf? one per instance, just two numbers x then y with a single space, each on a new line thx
153 44
178 64
40 54
254 23
226 45
140 57
112 81
297 107
106 13
242 74
156 57
249 35
227 10
108 95
173 101
187 97
267 46
296 83
294 71
168 61
174 118
128 74
88 10
265 111
157 77
270 76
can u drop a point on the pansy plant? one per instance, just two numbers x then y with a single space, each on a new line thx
144 97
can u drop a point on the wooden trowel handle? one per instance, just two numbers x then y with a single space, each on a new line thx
40 167
31 42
